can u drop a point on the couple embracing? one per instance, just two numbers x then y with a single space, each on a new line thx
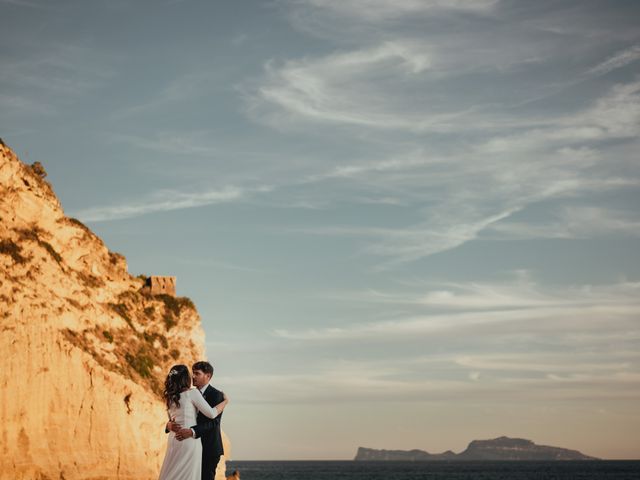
194 445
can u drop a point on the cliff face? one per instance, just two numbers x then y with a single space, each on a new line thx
502 448
84 349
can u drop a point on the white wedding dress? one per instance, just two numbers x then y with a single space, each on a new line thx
183 459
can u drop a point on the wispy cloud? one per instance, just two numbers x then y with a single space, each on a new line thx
463 193
184 87
59 69
396 88
343 88
614 115
523 321
572 222
501 309
173 143
340 385
520 291
494 377
383 10
406 162
163 201
349 19
24 105
619 60
413 242
217 265
22 3
551 363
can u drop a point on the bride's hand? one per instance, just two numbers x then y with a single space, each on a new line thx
173 426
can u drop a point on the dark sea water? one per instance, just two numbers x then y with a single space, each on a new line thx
348 470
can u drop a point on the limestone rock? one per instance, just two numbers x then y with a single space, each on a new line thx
85 349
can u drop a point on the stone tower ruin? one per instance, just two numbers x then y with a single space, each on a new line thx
161 285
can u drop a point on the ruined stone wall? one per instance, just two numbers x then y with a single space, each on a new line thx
162 285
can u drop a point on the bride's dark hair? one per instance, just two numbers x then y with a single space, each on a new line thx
178 380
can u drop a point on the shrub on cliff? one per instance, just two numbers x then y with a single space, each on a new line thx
173 308
12 249
34 234
39 170
141 362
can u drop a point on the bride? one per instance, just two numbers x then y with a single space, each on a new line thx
184 458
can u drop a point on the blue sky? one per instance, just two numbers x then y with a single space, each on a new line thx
405 224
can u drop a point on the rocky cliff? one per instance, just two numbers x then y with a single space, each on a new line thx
502 448
84 348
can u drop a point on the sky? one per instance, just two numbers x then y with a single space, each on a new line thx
405 224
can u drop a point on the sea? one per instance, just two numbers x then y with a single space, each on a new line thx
441 470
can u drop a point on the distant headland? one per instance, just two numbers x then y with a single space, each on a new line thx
502 448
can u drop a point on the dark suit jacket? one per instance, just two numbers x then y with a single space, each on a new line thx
209 430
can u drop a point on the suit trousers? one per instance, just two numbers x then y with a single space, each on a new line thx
209 465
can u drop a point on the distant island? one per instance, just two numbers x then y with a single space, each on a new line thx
502 448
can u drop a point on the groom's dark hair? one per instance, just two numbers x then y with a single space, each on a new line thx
204 367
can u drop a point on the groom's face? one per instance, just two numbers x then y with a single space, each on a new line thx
200 379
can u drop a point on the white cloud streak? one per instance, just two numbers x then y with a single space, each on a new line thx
171 143
466 193
493 377
572 222
320 17
184 88
163 201
532 321
22 3
382 10
619 60
23 105
497 308
548 363
338 88
61 69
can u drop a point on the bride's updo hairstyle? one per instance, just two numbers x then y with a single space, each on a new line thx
178 380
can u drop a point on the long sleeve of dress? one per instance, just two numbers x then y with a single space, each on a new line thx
201 404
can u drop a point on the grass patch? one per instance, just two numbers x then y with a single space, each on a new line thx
151 338
142 350
163 341
78 223
47 246
176 304
12 249
169 319
77 339
141 362
115 258
90 280
34 235
74 303
173 308
122 311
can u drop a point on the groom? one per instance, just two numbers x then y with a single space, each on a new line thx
206 429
